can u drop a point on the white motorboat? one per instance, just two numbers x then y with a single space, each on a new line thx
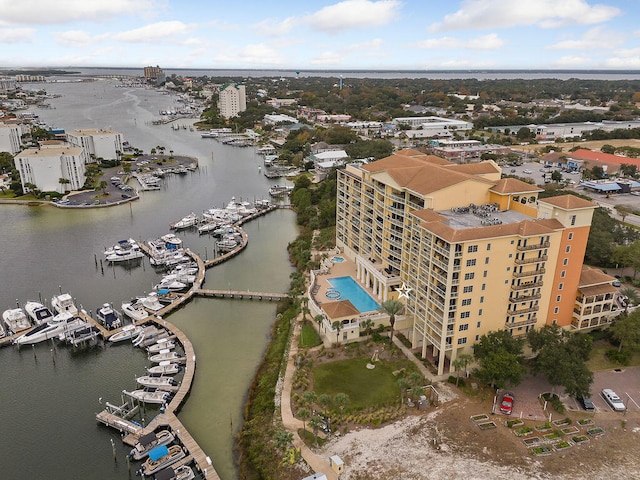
164 368
108 317
125 255
280 190
166 355
38 313
171 285
159 382
149 396
186 222
180 277
226 245
135 310
171 239
54 329
122 245
162 457
64 303
151 302
224 230
15 320
162 344
148 442
127 332
183 472
208 227
148 336
2 332
185 269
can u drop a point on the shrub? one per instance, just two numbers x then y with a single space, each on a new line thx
621 357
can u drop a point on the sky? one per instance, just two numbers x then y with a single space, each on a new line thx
319 34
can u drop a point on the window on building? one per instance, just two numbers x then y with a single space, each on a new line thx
469 276
560 286
488 247
556 310
472 249
471 263
468 289
484 274
570 237
563 273
568 249
558 298
479 313
462 341
573 219
477 338
478 325
465 314
484 285
486 260
565 262
463 327
466 302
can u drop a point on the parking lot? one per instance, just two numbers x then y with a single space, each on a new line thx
626 383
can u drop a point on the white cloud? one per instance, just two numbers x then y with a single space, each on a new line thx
328 58
572 61
485 14
350 14
369 45
485 42
273 28
16 35
47 12
78 38
594 38
623 63
253 54
155 32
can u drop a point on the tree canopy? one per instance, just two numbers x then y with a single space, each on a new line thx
500 359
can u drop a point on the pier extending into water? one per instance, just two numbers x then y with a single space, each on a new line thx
244 295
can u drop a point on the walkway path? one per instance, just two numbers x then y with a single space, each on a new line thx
316 462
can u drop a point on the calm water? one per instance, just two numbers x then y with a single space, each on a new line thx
49 398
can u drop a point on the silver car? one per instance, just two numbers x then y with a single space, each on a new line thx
613 400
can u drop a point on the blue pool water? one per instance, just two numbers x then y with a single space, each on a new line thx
337 259
350 290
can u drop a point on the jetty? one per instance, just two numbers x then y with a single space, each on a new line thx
244 295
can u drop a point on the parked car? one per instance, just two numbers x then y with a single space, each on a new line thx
527 171
616 283
506 406
587 403
613 400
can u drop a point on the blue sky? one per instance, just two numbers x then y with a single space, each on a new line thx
348 34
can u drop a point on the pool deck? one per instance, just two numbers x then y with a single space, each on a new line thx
341 269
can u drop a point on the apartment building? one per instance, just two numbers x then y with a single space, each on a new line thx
97 142
232 99
10 138
45 167
478 253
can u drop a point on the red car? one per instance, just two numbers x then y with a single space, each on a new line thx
506 406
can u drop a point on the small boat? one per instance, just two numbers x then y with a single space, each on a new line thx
127 332
280 190
183 472
124 251
16 320
164 368
64 303
224 230
166 355
149 396
207 227
171 285
186 222
162 457
170 239
134 310
53 329
162 344
148 336
149 381
38 313
185 269
108 317
151 302
122 245
226 245
148 442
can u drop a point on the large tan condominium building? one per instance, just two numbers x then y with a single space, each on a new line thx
479 253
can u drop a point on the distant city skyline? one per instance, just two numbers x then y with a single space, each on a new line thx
349 34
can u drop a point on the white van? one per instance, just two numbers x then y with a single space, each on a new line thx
613 400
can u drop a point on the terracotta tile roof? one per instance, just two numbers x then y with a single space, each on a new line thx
513 185
593 276
568 202
410 152
475 168
429 215
340 309
583 154
597 289
524 228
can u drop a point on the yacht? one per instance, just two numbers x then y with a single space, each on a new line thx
148 442
186 222
127 332
185 269
164 368
170 239
158 382
166 355
134 310
108 317
38 313
183 472
125 255
162 457
53 329
122 245
16 320
150 396
280 190
208 227
171 285
64 303
226 244
151 302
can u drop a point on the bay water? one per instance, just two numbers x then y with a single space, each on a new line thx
49 394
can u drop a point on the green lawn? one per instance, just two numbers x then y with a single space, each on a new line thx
309 337
598 361
366 388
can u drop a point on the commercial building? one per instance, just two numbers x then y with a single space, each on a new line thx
550 132
155 75
98 143
463 151
10 138
429 127
475 252
46 167
232 99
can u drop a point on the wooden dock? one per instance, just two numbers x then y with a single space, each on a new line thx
244 295
114 421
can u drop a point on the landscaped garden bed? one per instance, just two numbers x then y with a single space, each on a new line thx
562 423
562 445
523 431
578 439
480 418
487 425
541 450
570 430
596 431
584 422
545 427
514 423
553 435
530 442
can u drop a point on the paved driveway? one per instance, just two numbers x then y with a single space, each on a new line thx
625 382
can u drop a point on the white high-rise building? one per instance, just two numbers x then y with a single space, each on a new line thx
232 100
97 142
45 167
10 138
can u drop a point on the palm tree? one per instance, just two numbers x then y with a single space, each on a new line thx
341 400
319 320
315 423
309 398
337 326
632 296
391 308
461 362
64 181
403 384
367 325
283 439
324 400
304 414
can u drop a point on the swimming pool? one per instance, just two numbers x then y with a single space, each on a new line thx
350 290
337 259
